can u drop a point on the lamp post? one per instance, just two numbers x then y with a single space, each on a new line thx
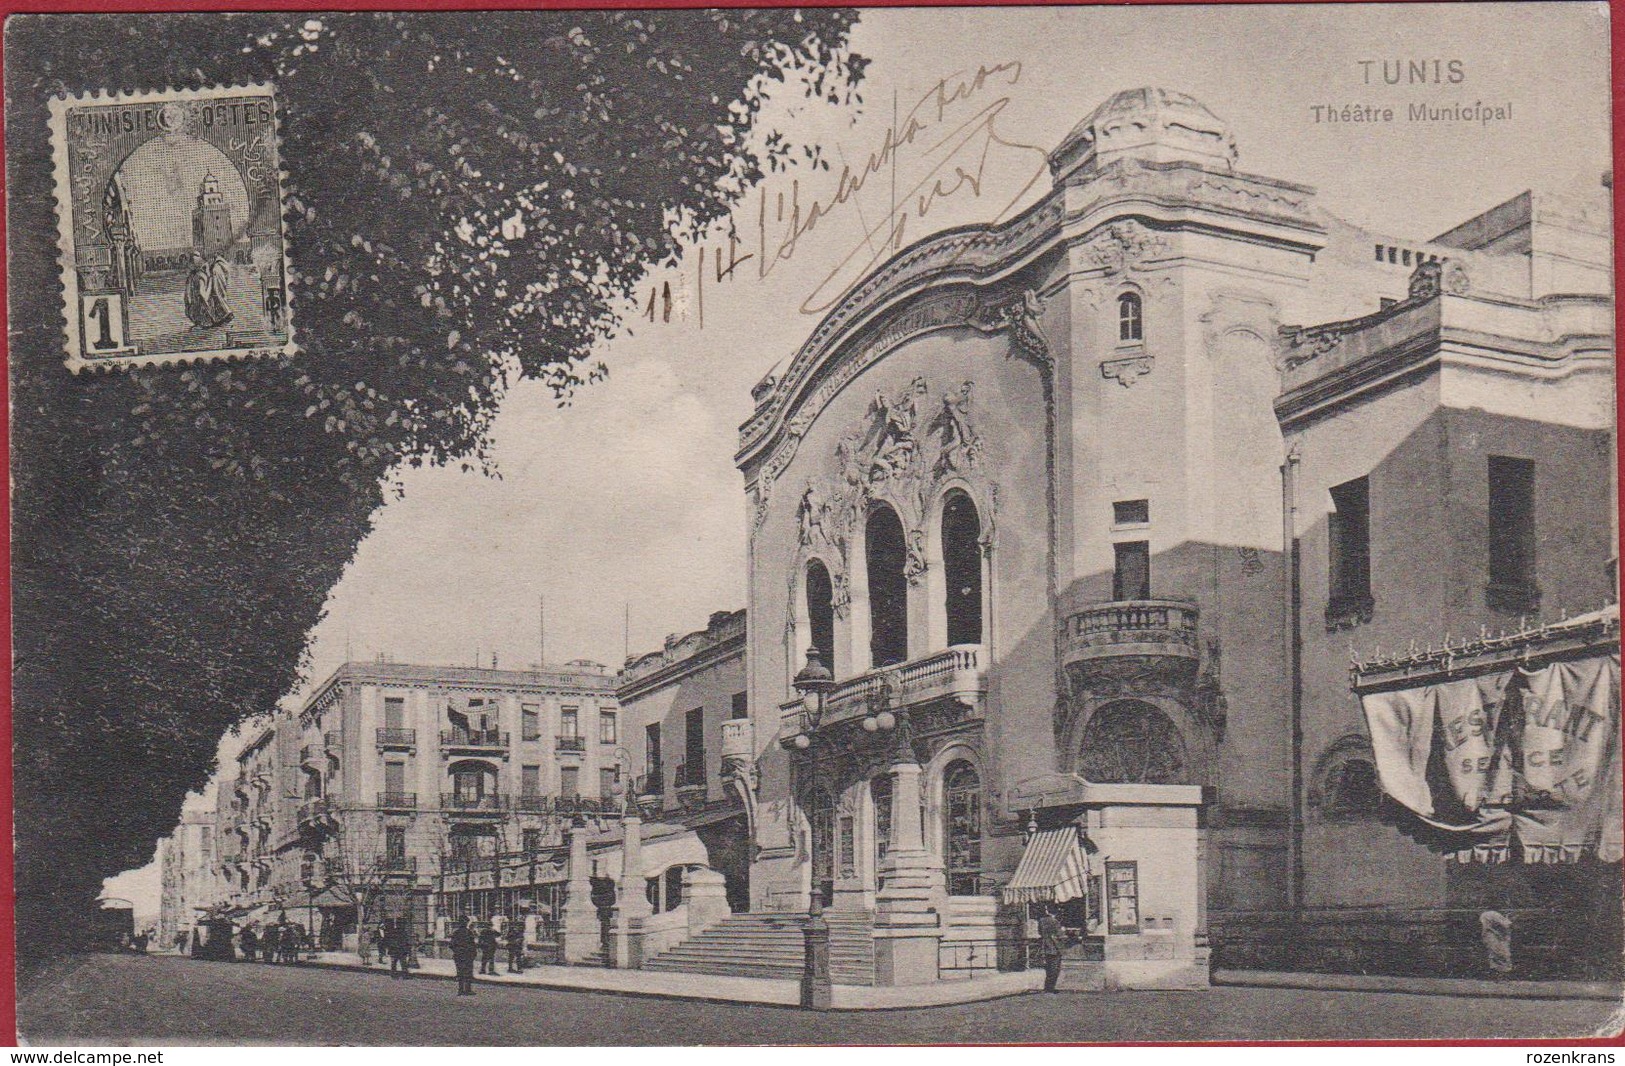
634 904
814 682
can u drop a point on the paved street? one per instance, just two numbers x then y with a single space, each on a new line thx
119 999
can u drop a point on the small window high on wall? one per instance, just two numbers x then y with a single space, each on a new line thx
962 568
1348 530
1511 520
821 612
1130 326
886 553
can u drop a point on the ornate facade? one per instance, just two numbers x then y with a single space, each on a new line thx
1022 490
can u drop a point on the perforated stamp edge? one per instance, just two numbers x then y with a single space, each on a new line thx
59 107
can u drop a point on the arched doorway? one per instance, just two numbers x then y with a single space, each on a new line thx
880 798
962 828
1133 742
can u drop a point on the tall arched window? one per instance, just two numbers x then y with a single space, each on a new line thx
1130 326
962 827
821 817
886 554
821 611
962 568
880 797
1132 742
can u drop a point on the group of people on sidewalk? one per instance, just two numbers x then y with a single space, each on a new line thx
392 939
468 944
277 942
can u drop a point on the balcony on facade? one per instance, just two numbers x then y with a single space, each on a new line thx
397 739
313 811
333 740
312 756
541 803
474 740
738 739
396 864
570 745
1131 628
397 801
652 783
689 776
957 674
490 803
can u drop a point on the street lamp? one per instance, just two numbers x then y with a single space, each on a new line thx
814 682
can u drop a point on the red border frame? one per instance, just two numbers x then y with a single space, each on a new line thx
8 1011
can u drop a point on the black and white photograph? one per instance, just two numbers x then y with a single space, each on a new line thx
826 526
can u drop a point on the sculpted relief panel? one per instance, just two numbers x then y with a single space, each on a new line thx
908 445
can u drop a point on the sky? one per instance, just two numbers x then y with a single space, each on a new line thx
624 510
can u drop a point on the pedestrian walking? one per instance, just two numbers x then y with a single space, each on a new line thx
289 943
268 943
363 945
516 945
398 939
251 943
1051 941
488 948
463 949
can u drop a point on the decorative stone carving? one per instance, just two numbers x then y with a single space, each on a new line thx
1456 282
1124 247
897 453
1026 322
960 444
1426 281
1126 371
915 567
810 515
893 454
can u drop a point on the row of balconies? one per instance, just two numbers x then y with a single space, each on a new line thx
496 803
474 740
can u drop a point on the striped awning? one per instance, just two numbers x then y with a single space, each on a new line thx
1053 869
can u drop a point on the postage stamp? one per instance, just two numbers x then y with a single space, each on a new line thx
169 211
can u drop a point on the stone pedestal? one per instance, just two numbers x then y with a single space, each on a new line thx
580 931
913 894
633 904
706 894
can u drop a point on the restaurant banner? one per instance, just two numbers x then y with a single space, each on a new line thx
1527 754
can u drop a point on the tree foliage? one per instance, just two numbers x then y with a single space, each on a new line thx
468 198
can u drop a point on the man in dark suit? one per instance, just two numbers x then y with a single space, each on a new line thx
1051 942
398 941
463 949
488 948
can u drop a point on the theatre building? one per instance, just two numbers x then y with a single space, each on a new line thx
1084 514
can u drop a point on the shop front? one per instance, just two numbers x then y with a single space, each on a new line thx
1121 866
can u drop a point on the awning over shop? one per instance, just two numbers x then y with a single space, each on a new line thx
1518 760
1053 869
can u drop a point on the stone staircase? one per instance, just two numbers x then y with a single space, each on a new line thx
771 946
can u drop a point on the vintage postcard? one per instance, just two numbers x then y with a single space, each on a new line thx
1019 525
171 218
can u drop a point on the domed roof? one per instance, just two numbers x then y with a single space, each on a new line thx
1153 124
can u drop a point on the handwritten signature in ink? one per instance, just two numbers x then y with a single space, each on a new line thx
961 157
